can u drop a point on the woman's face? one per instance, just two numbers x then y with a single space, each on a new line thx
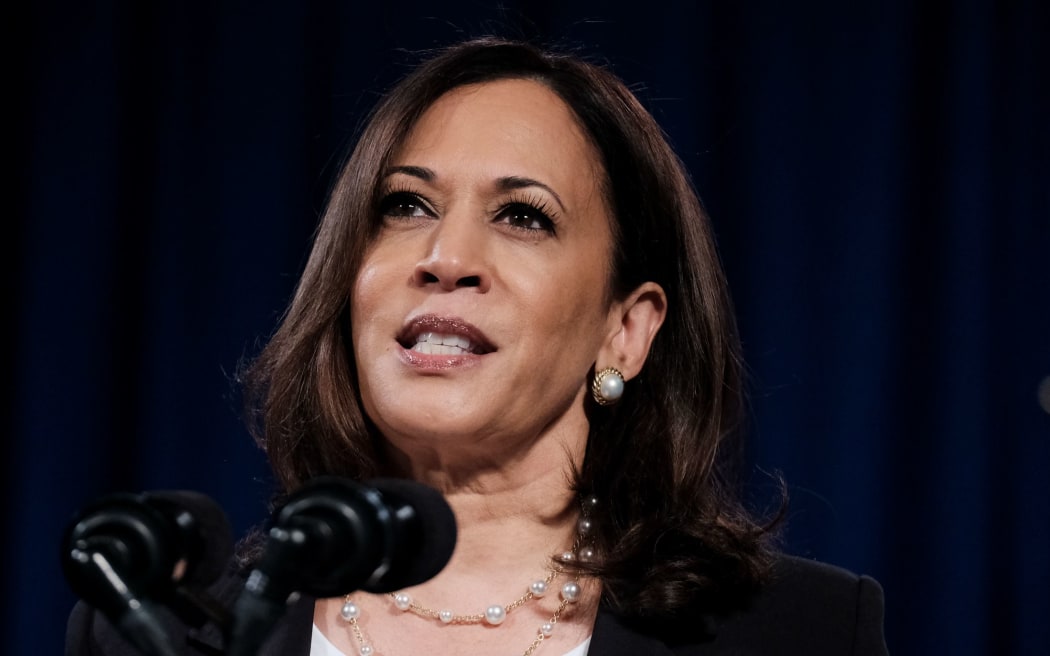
481 305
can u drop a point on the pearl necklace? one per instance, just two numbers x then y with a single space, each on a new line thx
494 614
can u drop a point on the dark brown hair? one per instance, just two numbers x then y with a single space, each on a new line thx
670 531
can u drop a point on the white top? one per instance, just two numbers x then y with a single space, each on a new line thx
321 646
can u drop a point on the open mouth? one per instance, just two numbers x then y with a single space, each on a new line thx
431 335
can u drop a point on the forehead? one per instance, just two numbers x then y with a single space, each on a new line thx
513 126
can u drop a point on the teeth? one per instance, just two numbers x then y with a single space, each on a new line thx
438 344
438 349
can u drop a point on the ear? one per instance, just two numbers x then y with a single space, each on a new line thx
632 325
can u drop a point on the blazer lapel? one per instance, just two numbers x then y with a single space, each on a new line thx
291 636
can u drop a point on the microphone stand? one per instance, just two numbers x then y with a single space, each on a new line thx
264 599
139 623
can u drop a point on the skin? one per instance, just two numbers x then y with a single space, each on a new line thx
495 229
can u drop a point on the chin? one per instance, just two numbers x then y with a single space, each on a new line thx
433 425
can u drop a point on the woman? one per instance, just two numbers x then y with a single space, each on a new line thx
514 296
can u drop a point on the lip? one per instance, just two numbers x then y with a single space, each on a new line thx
481 345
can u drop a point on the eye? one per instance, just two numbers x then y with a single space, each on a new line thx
525 216
403 204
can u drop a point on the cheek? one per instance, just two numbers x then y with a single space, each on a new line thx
366 307
366 302
359 304
572 306
368 278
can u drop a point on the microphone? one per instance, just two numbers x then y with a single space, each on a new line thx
333 536
123 551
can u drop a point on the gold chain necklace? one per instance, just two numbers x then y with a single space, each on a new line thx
493 615
570 594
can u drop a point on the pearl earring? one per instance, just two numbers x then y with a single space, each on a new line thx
607 387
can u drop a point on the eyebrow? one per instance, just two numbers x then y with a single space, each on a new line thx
421 172
506 183
511 182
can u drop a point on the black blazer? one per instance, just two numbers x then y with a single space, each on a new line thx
807 608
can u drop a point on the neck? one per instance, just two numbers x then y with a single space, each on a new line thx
515 509
508 531
510 525
513 513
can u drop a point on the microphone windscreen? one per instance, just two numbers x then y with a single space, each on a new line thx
204 529
430 536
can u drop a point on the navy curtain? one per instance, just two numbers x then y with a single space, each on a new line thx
879 178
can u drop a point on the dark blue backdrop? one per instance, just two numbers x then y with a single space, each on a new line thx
879 176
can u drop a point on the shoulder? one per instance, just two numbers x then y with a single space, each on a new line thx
811 607
806 607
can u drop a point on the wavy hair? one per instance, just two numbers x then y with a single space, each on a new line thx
670 531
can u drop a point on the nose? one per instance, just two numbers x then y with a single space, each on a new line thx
455 256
